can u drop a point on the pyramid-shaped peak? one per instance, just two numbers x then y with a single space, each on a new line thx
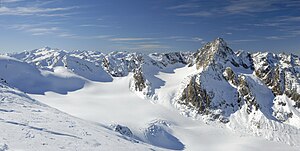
217 45
220 42
214 51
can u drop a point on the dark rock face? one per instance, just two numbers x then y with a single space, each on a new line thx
294 96
278 73
230 76
3 81
139 80
196 97
119 64
211 53
291 90
297 105
217 52
244 91
245 60
164 59
246 94
278 82
176 57
272 77
123 130
4 147
105 63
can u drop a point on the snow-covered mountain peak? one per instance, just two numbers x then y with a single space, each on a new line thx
45 49
215 52
220 42
218 46
231 84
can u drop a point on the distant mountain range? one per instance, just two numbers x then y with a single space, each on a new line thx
251 93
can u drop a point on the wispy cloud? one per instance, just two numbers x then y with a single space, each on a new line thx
34 29
57 14
174 37
48 29
185 39
23 11
43 31
73 36
246 6
237 28
285 26
258 6
152 46
268 24
145 47
138 42
243 40
93 25
231 7
291 18
194 39
196 14
10 1
188 23
130 39
41 9
191 9
142 43
184 6
293 32
275 37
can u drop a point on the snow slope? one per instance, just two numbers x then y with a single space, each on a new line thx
29 79
27 124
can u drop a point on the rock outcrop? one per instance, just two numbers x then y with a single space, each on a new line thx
196 97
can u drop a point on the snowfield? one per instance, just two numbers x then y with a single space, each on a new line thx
113 103
212 99
27 124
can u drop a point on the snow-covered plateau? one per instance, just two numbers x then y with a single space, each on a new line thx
211 100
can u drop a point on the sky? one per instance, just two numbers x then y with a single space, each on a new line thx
149 25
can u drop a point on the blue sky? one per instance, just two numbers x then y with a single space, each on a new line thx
149 25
